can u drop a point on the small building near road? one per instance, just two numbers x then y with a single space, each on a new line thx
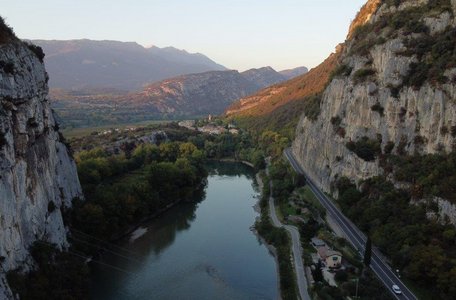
332 259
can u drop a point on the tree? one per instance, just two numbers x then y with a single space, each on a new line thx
317 273
368 252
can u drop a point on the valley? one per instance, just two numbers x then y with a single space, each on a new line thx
132 172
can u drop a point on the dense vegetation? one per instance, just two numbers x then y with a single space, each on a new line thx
278 237
58 275
121 190
422 249
365 148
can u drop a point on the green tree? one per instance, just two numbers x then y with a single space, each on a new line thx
368 252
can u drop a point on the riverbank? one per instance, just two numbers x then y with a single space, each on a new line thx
279 239
270 247
197 251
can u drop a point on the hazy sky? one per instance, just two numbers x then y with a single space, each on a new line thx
239 34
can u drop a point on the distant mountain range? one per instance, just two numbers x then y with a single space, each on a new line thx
88 64
184 96
291 73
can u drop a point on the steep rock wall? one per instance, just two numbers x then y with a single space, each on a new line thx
416 119
38 177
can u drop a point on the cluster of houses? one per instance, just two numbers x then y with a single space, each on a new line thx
210 128
118 130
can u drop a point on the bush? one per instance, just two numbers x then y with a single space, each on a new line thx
336 121
3 140
341 276
312 107
51 206
8 67
361 74
341 70
37 50
378 108
365 148
6 32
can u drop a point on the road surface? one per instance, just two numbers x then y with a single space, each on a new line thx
355 236
296 248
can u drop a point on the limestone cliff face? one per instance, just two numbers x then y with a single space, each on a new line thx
38 177
370 99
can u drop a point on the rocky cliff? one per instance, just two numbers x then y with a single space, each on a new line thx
394 91
38 177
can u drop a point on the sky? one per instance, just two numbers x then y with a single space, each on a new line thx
239 34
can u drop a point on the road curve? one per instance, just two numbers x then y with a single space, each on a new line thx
296 248
355 236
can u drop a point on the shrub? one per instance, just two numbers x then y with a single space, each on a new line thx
378 108
362 74
342 70
51 206
37 50
6 32
453 131
335 121
341 276
365 148
395 90
389 147
3 140
312 107
341 132
8 67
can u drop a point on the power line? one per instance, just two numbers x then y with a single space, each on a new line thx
107 243
106 249
89 259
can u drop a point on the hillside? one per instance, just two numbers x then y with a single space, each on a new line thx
382 139
185 96
86 64
295 72
280 106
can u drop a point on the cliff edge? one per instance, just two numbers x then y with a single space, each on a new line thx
38 177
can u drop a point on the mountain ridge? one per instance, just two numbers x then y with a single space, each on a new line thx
85 63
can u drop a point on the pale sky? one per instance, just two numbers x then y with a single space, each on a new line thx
239 34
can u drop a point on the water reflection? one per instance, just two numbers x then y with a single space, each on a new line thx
197 250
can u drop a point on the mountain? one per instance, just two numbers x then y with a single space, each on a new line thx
84 64
263 77
184 96
378 133
291 73
38 176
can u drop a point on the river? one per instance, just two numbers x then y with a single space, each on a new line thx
199 250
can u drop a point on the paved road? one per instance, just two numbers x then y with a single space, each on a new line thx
296 248
355 236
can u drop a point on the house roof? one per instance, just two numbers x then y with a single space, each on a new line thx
324 252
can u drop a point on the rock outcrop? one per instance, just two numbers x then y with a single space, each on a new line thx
38 177
378 93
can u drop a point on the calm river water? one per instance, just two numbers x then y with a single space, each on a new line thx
201 250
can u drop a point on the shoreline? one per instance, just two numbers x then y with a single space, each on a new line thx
271 249
163 210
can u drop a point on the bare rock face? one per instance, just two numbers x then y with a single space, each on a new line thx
380 107
38 177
